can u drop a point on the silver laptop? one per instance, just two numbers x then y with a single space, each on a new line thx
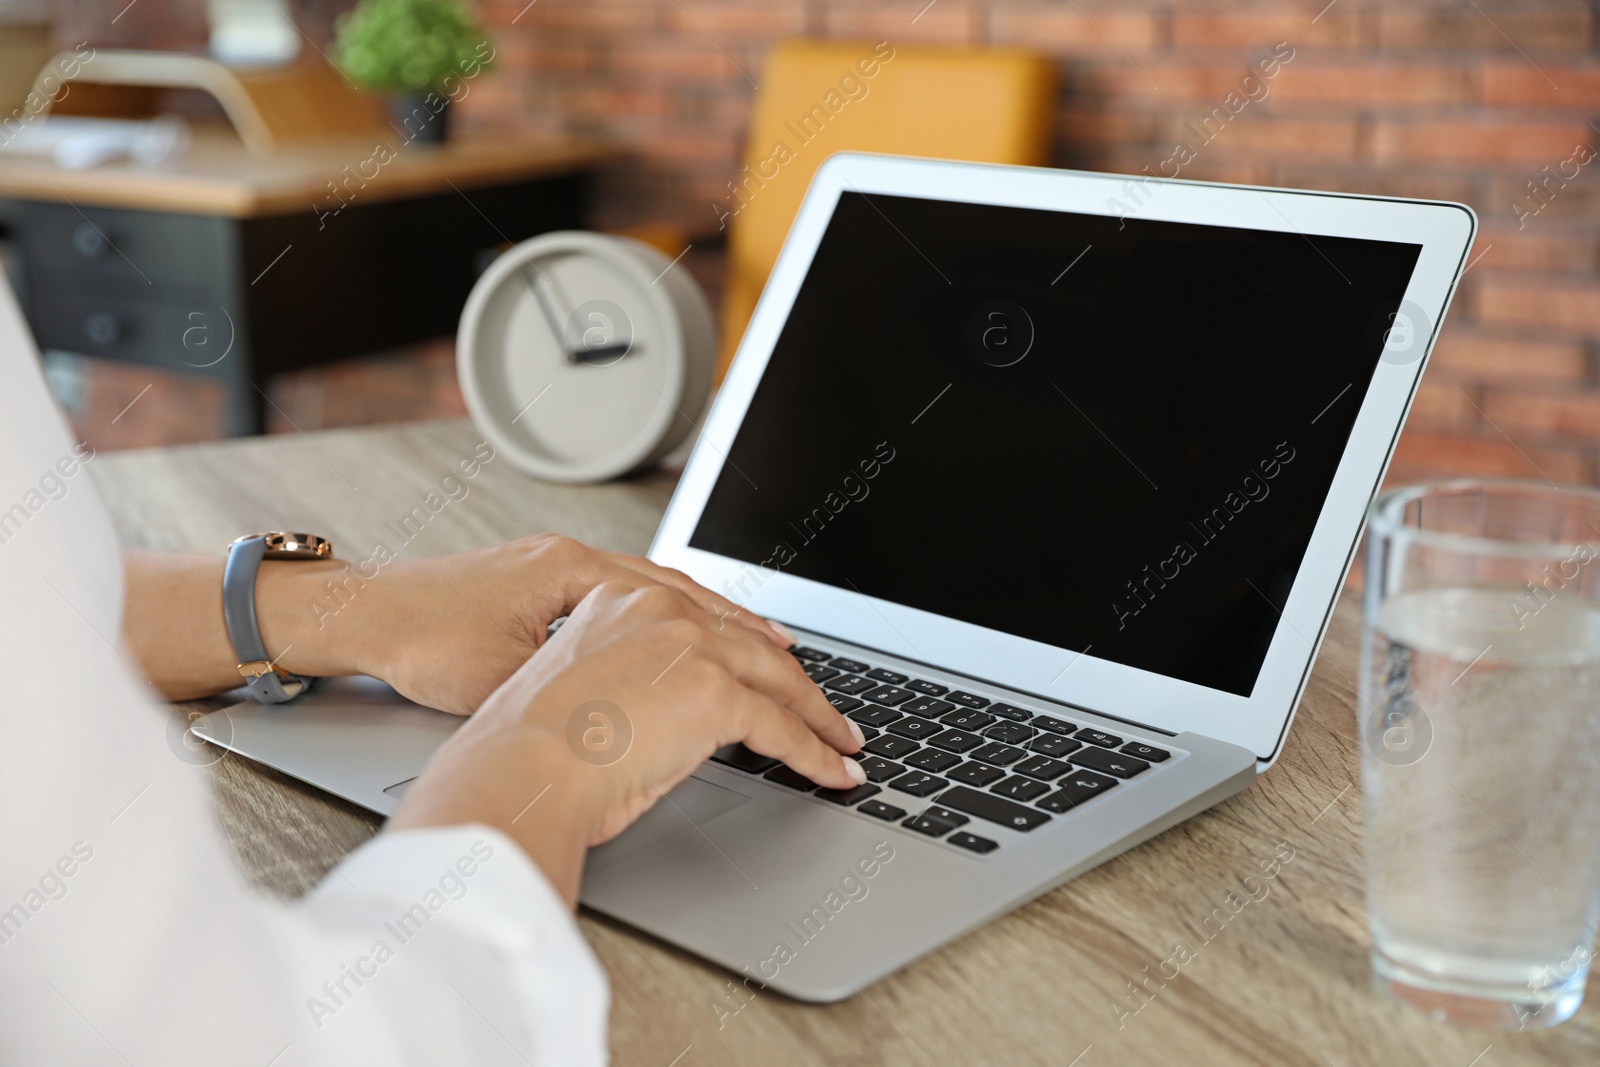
1058 476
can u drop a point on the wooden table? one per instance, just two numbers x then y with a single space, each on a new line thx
1286 981
237 266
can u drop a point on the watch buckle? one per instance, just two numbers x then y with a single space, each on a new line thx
256 668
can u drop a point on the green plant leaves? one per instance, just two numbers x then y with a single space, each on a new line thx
408 45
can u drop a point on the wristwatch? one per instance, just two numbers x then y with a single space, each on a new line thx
266 681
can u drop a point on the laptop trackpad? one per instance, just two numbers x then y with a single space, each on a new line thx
691 803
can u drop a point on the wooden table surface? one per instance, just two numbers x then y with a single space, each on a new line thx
219 176
1286 981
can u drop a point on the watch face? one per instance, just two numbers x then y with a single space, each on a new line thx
282 545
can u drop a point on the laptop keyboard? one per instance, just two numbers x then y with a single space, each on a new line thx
964 761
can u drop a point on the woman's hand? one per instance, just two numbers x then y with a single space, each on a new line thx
444 631
447 631
676 681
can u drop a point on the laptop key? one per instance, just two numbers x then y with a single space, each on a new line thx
914 728
977 774
1095 737
932 760
927 824
802 652
1116 763
967 700
881 770
847 797
999 755
1020 788
927 707
918 784
1055 726
879 810
891 747
853 666
1008 732
1010 711
872 715
943 814
850 684
890 695
1075 789
843 704
1145 752
967 719
1059 801
791 778
819 674
1042 767
993 808
956 741
971 842
742 759
929 689
1054 745
892 677
867 734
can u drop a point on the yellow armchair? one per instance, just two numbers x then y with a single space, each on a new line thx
989 105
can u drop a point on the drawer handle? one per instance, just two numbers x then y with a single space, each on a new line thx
103 327
88 239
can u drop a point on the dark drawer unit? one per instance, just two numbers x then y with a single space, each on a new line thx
168 325
240 299
110 244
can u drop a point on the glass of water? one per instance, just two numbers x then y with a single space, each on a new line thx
1480 722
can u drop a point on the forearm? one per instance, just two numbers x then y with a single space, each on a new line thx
172 624
520 781
173 630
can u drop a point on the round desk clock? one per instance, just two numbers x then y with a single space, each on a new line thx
583 356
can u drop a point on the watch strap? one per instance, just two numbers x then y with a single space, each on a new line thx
267 683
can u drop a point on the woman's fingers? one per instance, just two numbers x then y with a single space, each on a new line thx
720 606
778 676
755 664
773 730
790 719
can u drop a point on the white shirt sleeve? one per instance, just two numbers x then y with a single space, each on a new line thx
126 934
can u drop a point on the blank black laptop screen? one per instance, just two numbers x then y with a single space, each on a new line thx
1103 434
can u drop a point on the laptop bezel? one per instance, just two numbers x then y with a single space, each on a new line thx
1257 722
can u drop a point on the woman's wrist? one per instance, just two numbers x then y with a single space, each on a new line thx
318 618
521 780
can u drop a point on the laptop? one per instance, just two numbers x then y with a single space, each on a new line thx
1057 475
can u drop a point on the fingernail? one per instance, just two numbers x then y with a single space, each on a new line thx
854 770
790 640
855 732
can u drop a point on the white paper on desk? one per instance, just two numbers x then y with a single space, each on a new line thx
80 143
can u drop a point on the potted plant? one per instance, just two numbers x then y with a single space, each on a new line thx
421 52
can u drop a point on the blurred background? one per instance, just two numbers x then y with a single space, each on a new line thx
1490 102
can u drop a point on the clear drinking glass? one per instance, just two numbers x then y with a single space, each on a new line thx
1480 721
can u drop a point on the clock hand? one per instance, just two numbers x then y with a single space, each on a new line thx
600 355
531 275
585 355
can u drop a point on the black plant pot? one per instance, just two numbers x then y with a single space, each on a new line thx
423 117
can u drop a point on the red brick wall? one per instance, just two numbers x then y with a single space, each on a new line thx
1451 100
1465 100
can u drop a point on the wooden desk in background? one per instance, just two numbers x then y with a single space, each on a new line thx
1285 982
317 252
